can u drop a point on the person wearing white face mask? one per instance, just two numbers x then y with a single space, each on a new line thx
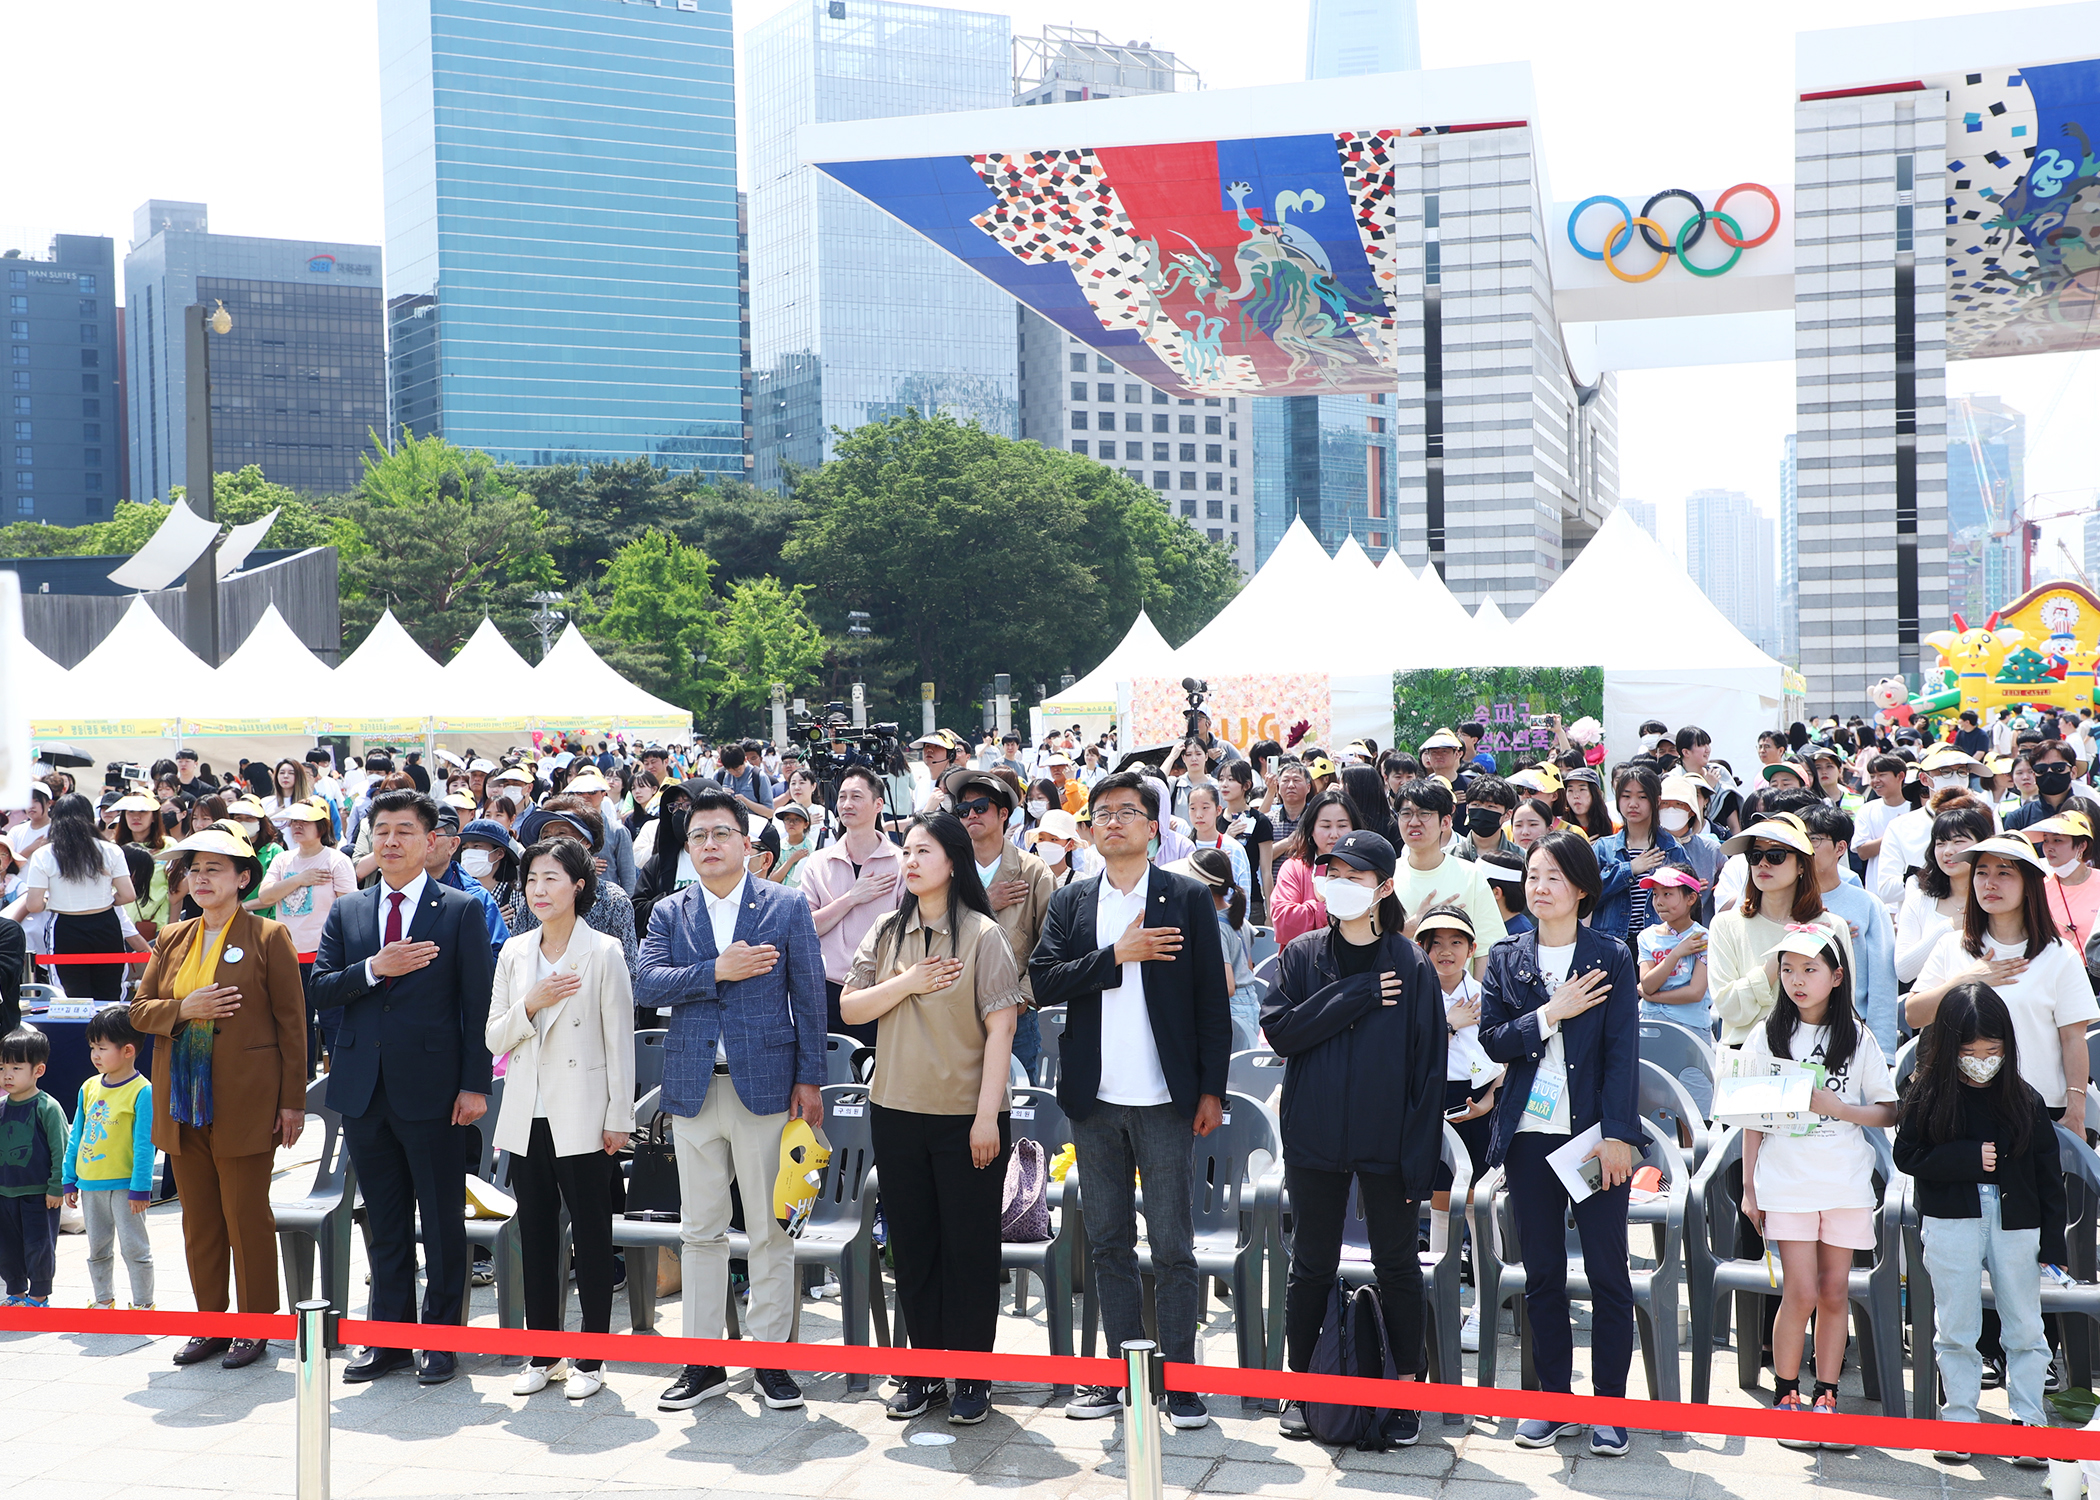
1684 799
246 813
2066 842
303 882
489 857
1055 841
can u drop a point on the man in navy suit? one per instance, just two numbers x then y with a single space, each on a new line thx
408 964
739 963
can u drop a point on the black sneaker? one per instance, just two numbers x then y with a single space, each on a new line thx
972 1403
1185 1409
776 1390
1090 1401
1994 1374
914 1397
1402 1429
694 1385
1292 1422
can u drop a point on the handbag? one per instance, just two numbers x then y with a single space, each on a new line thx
652 1185
1024 1202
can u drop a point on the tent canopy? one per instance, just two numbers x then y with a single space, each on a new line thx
1143 652
141 671
273 676
575 684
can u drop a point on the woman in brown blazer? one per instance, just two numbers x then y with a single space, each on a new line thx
229 1078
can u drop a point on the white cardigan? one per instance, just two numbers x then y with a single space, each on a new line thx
587 1042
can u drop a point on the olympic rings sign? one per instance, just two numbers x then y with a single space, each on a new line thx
1659 239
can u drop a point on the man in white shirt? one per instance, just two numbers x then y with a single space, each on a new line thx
1885 777
1430 874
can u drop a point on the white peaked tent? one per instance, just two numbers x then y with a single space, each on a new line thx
488 682
274 676
1143 652
1440 610
388 685
1667 653
1353 565
1491 628
141 672
576 686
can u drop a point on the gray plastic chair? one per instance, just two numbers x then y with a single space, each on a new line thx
648 1061
1655 1287
1665 1100
838 1058
1257 1073
2082 1302
1686 1055
1715 1272
319 1223
1050 1021
1261 944
1038 1117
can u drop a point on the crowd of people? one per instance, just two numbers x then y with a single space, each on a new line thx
1461 942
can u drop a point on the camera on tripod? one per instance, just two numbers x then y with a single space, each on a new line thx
1197 690
835 742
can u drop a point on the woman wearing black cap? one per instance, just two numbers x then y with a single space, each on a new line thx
1356 1016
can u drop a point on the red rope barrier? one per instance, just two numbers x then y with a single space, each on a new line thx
1669 1417
91 958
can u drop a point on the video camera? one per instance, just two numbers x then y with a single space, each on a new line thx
834 743
1197 691
124 776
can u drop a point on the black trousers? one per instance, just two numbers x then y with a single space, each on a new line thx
943 1218
97 932
1319 1201
836 1023
1541 1204
543 1183
404 1166
1473 1134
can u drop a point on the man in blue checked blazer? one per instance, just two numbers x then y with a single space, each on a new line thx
738 962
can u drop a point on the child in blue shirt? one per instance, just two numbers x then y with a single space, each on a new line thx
32 1154
1672 952
109 1160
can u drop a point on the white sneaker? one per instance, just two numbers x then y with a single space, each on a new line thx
1469 1333
584 1383
534 1378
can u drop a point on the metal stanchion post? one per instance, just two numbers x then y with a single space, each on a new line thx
313 1403
1141 1456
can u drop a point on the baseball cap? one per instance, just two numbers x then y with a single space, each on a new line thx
448 819
516 773
1321 766
591 780
1361 849
1790 767
1539 778
960 785
1948 758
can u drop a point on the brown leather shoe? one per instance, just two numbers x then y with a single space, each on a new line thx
197 1351
244 1353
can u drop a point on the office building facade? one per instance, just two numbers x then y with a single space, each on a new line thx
1345 38
854 318
1730 552
562 243
64 463
1789 565
297 386
1986 483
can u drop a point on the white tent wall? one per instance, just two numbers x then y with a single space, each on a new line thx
1732 704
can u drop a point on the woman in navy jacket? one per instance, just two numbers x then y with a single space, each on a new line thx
1560 1006
1358 1016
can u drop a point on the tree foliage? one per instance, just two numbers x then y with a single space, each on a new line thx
237 497
660 604
441 535
766 636
975 554
594 511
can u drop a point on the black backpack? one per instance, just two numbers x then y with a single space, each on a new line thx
1352 1342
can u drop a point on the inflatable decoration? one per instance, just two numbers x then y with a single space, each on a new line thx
2038 651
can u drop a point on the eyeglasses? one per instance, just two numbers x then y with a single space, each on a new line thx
974 805
714 838
1119 815
1768 856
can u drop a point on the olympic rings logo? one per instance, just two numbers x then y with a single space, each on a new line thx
1659 239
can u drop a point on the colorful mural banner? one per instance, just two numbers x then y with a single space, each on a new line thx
1290 708
1264 266
1503 699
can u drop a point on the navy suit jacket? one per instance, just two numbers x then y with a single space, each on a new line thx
425 1030
1602 1046
771 1026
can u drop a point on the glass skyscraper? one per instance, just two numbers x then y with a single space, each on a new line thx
854 317
561 226
62 370
1326 460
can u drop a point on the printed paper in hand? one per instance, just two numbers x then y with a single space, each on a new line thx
1581 1178
1768 1094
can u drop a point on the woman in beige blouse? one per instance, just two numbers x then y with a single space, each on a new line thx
938 978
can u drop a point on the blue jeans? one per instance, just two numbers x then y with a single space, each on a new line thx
1155 1139
1246 1020
1954 1249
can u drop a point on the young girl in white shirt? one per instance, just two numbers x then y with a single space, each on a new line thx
1808 1186
1470 1075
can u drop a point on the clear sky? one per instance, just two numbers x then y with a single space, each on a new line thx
270 113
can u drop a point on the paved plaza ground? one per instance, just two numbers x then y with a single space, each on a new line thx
93 1417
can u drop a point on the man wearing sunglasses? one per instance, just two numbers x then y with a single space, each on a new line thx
1018 884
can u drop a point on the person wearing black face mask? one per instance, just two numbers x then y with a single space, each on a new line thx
1484 825
2054 768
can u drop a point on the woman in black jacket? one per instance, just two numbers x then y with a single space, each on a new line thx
1982 1148
1355 1011
1561 1006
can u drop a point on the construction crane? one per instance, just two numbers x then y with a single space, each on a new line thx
2031 530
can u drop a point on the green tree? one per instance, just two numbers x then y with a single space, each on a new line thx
765 636
977 555
660 604
744 529
598 509
243 495
441 534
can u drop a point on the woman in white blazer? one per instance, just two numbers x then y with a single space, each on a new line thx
562 1011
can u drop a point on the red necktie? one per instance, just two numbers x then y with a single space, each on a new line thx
393 916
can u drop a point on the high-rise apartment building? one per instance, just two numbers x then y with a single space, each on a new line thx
2090 545
1730 553
1986 483
854 317
562 229
1643 513
1328 461
62 362
298 384
1193 454
1344 38
1789 581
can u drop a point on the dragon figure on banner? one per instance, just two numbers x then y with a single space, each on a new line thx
2039 651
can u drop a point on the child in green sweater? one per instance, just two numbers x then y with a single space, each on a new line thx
32 1162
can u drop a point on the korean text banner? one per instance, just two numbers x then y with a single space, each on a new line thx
1503 699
